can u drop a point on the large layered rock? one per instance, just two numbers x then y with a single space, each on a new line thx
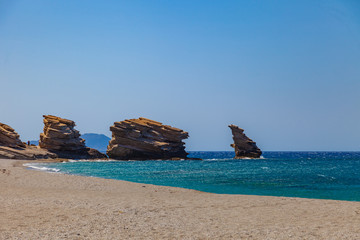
144 139
244 146
9 138
59 134
62 138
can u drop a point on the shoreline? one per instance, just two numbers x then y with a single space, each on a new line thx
60 160
39 205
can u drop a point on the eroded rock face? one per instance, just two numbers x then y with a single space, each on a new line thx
59 134
11 146
244 146
144 139
62 138
9 138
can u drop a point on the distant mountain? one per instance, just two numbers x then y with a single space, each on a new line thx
35 142
97 141
92 140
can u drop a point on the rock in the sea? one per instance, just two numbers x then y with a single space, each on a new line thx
244 146
62 138
9 138
144 139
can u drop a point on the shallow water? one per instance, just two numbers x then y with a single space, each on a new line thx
323 175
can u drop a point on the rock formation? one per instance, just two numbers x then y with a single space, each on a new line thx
9 138
59 134
244 146
26 153
11 146
144 139
60 137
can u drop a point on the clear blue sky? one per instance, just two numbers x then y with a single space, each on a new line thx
288 72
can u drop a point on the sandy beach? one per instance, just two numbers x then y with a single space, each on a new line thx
40 205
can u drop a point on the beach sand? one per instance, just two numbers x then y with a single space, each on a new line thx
40 205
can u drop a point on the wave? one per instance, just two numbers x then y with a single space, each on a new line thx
328 177
218 159
41 168
89 160
229 159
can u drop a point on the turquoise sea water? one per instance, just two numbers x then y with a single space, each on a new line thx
324 175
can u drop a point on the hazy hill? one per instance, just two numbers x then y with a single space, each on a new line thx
35 142
97 141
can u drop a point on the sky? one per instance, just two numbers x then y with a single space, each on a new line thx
288 72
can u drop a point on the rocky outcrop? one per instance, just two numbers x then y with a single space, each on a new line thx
11 147
26 153
145 139
244 146
59 134
9 138
59 140
62 138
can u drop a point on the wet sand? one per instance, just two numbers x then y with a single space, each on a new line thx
40 205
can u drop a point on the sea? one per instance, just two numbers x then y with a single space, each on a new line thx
320 175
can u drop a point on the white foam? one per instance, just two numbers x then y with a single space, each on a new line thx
218 159
41 168
329 177
88 160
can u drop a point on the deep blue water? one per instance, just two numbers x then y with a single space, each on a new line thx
324 175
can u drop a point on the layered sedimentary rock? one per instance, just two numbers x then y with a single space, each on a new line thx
9 138
244 146
62 138
26 153
144 139
11 147
59 134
